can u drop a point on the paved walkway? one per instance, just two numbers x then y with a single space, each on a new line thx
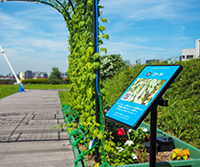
27 136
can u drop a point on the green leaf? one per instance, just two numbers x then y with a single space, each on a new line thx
102 28
89 93
81 23
103 50
106 36
185 157
96 56
104 20
96 65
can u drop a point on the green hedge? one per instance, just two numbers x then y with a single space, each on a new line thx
7 82
34 81
42 81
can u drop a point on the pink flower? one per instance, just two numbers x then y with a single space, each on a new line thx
121 132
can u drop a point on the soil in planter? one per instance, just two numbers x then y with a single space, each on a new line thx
160 157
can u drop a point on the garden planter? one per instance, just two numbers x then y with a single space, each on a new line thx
76 152
194 152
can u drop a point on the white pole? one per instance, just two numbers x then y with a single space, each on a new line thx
2 51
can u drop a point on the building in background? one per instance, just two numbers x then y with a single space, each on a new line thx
152 61
38 74
10 74
28 74
35 74
43 75
188 54
63 75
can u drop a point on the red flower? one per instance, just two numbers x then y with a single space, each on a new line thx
126 139
147 138
121 132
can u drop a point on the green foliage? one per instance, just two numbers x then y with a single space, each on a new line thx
7 82
6 90
64 96
54 77
111 65
116 86
34 81
182 117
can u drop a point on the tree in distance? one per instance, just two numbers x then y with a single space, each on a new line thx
54 77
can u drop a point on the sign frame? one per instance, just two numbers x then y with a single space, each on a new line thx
155 99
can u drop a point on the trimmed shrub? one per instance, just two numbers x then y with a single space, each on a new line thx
35 81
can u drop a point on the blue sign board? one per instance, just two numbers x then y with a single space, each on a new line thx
142 94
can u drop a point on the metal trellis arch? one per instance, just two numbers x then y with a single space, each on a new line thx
53 3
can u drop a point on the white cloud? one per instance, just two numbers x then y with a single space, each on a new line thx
139 10
8 22
132 52
50 45
117 46
161 11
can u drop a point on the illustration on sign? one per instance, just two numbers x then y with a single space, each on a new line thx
143 90
135 103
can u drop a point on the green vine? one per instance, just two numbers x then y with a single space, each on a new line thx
82 64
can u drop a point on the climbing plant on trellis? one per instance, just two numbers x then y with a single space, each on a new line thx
82 64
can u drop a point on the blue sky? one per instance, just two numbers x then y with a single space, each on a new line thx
34 36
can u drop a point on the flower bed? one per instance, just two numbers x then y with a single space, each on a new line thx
194 160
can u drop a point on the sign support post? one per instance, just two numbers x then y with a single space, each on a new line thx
153 126
153 130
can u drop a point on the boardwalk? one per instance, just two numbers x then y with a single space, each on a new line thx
27 136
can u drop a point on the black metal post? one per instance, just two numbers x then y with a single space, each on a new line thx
95 30
153 126
96 50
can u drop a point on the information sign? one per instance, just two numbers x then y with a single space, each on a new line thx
142 94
